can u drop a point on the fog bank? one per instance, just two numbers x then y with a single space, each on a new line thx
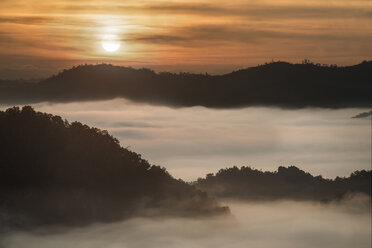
284 224
191 142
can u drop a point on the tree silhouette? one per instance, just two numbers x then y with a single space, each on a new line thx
53 171
275 84
286 183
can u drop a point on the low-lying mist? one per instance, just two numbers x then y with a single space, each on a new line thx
345 223
191 142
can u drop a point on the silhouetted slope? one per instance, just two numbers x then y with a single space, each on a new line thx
55 172
276 84
286 183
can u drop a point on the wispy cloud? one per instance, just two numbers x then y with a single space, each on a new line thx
189 35
362 115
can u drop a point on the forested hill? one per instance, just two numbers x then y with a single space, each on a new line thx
277 84
56 172
246 183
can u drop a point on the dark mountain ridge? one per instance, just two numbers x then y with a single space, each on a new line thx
246 183
56 172
277 84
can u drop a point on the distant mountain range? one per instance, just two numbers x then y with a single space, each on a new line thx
278 84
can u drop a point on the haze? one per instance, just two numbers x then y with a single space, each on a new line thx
262 225
191 142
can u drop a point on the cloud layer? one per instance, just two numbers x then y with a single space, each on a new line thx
191 142
262 225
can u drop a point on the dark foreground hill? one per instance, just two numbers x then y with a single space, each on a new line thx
246 183
277 84
55 172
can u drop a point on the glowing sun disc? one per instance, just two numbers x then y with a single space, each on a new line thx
110 46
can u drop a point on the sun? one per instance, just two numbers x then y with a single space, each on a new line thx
110 43
110 46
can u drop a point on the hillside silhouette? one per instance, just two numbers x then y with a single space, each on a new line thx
246 183
56 172
277 84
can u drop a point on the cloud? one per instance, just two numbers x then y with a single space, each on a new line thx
133 124
271 224
260 11
130 134
15 41
195 141
232 10
27 20
223 34
362 115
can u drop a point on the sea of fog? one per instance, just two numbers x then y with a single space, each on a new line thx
191 142
282 224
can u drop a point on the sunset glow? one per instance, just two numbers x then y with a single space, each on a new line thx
198 36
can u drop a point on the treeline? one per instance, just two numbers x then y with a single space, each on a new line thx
246 183
278 84
56 172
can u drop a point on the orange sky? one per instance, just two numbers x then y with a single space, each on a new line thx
38 38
